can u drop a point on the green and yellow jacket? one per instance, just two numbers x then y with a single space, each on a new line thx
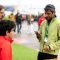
53 36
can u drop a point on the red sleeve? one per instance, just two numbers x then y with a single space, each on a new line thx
41 19
6 52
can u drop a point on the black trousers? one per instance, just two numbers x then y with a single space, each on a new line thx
18 25
43 56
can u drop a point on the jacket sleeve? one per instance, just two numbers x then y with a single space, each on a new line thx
6 53
39 31
56 44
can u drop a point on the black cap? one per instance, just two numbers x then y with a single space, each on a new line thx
50 7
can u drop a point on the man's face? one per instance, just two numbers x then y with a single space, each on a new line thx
1 14
49 15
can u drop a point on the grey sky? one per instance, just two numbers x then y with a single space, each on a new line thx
29 4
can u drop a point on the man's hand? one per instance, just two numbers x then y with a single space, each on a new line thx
38 35
46 48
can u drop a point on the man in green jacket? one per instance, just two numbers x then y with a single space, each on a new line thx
49 35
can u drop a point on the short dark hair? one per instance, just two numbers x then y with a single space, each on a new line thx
6 25
50 7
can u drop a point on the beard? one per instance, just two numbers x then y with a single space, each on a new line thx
48 19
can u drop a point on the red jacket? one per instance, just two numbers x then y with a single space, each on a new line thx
41 19
5 48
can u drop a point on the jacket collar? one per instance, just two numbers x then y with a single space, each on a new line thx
7 39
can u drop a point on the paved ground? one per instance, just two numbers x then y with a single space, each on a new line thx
27 36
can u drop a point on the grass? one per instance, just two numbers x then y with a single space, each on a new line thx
23 53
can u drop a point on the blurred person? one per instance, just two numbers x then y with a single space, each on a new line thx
18 22
49 35
6 36
28 19
1 12
31 19
12 18
23 17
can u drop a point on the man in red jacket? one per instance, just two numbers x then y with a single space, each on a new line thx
6 35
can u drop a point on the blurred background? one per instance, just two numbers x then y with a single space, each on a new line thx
29 6
25 14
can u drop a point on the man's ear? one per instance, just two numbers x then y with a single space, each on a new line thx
54 14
